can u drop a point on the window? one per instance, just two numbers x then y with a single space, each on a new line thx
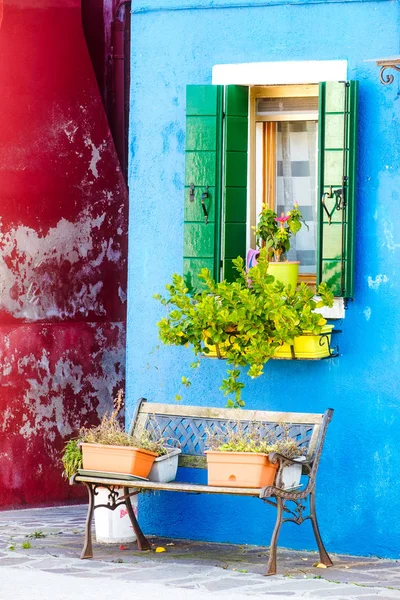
284 165
283 156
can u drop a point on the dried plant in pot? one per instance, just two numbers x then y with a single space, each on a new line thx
241 456
109 448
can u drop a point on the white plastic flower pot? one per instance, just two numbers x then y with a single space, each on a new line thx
291 474
113 526
165 467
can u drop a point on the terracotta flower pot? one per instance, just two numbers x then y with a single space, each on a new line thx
117 459
240 469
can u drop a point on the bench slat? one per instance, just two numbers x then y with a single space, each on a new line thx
231 414
172 487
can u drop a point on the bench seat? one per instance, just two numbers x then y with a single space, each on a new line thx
190 488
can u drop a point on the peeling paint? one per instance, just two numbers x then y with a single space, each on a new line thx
70 376
374 284
43 400
367 313
70 129
389 242
32 264
96 156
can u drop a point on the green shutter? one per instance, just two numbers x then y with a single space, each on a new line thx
235 176
202 245
337 173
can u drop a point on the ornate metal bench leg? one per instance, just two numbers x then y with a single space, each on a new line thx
87 551
271 567
323 555
142 542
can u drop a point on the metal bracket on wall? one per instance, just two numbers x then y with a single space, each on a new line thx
387 63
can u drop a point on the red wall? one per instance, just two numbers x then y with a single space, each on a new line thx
63 233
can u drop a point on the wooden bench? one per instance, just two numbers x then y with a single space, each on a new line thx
188 425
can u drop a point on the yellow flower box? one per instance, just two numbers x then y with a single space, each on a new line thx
308 345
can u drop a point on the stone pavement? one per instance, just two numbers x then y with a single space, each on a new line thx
43 545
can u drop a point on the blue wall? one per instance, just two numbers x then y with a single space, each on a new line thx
358 489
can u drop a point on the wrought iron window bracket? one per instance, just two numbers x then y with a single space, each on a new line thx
388 63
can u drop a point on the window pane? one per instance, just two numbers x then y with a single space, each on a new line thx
296 177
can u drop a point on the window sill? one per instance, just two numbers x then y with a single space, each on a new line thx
336 312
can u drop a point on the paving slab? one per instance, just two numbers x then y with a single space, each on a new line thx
56 538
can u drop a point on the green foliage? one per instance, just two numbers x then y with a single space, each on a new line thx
247 319
36 535
71 458
276 231
233 437
26 545
186 382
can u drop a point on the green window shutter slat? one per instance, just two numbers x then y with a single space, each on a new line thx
337 171
202 244
234 191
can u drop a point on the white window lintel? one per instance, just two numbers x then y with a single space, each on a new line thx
280 73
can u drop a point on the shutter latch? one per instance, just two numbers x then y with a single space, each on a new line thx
338 204
191 193
203 205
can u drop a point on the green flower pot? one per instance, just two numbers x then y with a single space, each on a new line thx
286 272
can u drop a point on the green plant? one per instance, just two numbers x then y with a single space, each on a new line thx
247 319
276 231
26 545
36 535
71 458
234 437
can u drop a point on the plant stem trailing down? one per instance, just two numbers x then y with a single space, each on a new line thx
248 319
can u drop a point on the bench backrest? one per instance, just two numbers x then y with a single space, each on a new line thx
188 426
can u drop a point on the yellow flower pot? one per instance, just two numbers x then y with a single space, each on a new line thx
308 345
215 351
286 272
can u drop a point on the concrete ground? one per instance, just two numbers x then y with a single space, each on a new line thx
39 557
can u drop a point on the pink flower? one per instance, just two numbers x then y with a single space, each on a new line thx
282 219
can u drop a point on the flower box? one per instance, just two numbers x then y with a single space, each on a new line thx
308 345
239 469
165 467
117 459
